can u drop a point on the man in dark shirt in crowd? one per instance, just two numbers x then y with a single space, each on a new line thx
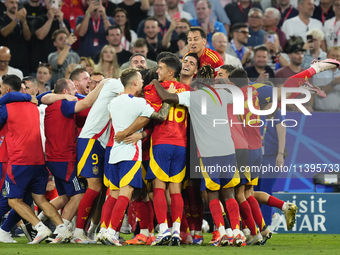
15 34
260 71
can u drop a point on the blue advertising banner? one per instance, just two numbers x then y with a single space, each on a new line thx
314 140
317 213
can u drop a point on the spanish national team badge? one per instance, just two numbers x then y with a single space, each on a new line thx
4 193
95 170
95 42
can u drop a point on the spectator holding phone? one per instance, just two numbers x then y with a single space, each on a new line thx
43 28
277 58
15 33
92 28
60 59
313 48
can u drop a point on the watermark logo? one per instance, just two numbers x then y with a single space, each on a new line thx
239 99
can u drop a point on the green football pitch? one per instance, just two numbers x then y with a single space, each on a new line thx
287 244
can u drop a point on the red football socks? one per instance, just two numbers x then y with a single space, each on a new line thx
118 211
255 209
233 212
160 205
151 215
247 217
275 202
107 210
142 213
85 207
216 212
177 206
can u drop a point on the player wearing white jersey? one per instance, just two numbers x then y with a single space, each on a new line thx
91 151
125 172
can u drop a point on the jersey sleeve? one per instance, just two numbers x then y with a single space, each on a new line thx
152 97
3 115
67 108
15 97
265 94
145 109
184 98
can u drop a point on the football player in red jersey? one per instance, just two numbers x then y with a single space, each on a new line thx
168 152
197 39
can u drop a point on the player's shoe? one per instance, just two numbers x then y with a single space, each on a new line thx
29 232
227 240
239 240
266 234
100 236
111 239
254 239
175 239
216 240
64 237
5 237
150 240
162 238
186 238
323 65
313 89
41 236
80 239
198 240
139 239
290 214
91 237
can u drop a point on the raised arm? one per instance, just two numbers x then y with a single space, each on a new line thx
89 100
281 133
52 98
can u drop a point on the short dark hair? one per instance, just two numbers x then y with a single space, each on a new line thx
151 18
184 20
13 81
228 68
31 79
239 77
127 75
75 73
136 54
199 29
60 85
113 27
172 63
194 55
164 54
97 73
150 75
260 48
237 26
56 33
140 42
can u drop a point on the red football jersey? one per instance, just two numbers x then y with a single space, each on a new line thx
174 129
61 134
237 132
3 146
210 57
252 121
23 138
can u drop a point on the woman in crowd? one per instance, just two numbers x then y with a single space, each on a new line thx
44 73
108 63
129 36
